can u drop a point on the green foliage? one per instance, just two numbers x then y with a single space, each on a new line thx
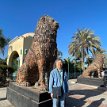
84 42
78 67
89 61
10 70
2 62
3 42
4 68
74 67
5 71
15 64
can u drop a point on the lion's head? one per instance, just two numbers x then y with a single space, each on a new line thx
47 26
44 43
47 21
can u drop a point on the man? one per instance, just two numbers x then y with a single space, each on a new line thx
104 74
58 86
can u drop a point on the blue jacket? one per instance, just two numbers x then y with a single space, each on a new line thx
54 80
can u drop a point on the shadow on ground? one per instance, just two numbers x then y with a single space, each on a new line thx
78 98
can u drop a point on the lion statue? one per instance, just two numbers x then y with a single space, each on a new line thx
41 55
95 67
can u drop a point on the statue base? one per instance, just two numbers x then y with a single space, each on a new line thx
90 81
21 96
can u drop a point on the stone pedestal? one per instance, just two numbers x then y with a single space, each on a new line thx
90 81
27 96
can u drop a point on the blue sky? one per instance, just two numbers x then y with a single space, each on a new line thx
18 17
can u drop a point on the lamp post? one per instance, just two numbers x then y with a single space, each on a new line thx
68 69
68 60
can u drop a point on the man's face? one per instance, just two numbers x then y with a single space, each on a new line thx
59 64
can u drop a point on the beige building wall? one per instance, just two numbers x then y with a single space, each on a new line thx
19 47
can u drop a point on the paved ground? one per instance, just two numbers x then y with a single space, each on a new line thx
2 93
80 95
3 101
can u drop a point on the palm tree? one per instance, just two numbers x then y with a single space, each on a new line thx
3 42
84 42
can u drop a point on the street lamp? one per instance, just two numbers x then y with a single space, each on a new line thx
68 60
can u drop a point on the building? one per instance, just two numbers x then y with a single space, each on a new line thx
17 50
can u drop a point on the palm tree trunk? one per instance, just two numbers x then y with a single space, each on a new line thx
82 62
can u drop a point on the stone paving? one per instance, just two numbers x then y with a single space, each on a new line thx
3 101
80 95
2 93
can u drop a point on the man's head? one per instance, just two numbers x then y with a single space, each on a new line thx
59 64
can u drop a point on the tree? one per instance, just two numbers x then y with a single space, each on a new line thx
3 42
84 42
5 71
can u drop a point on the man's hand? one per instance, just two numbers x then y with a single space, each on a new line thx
51 95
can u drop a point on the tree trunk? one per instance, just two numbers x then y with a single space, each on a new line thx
82 62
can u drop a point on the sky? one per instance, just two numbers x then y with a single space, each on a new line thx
18 17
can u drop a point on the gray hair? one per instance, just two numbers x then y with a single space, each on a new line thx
58 59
